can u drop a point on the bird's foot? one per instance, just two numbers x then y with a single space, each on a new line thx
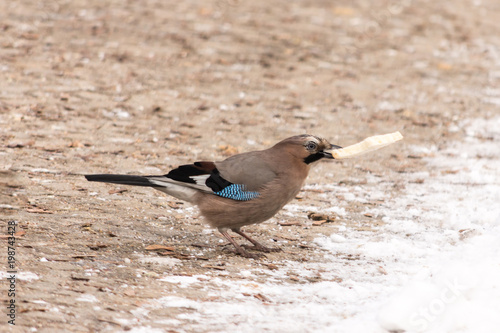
256 245
242 252
262 248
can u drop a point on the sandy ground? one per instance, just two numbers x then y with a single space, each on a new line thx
140 87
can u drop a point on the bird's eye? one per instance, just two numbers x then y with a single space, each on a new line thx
311 145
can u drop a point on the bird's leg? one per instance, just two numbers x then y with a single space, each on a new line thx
256 245
239 249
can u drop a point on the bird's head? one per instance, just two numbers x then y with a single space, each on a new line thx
309 148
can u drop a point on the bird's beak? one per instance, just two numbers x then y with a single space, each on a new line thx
329 155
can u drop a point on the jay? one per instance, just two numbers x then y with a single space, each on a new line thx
243 189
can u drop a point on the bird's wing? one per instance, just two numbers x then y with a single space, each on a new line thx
205 176
249 169
189 175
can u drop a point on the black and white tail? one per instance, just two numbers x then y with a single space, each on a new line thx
184 182
167 185
121 179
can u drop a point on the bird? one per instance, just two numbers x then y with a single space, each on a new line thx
244 189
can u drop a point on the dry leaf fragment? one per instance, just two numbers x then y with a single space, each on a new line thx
175 204
116 191
84 256
320 219
317 216
262 298
320 222
272 267
21 145
76 144
289 223
177 255
382 270
39 210
109 320
444 66
80 278
214 267
156 247
450 172
96 247
228 150
20 233
29 36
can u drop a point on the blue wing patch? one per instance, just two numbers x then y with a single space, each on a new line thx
237 192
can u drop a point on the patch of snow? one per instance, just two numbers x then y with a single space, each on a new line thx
87 298
145 329
184 281
162 261
24 276
433 266
39 301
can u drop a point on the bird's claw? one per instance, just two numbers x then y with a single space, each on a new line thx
261 248
253 255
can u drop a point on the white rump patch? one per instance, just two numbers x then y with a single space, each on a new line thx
200 180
